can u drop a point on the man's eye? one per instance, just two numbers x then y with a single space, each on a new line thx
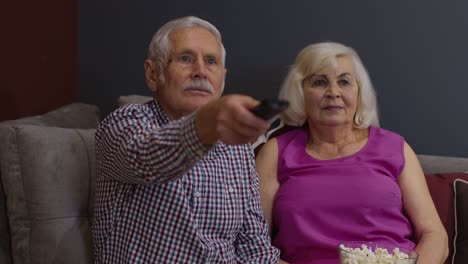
185 58
211 61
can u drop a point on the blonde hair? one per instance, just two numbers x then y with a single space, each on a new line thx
313 59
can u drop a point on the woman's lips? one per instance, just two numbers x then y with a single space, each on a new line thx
332 107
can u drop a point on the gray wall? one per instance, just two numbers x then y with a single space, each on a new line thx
415 51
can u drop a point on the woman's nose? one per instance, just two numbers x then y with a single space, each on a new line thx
333 91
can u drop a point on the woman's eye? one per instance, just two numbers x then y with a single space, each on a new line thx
343 82
319 83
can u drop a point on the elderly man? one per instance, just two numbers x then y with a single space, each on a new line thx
176 180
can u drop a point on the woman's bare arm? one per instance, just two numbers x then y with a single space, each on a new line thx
431 237
267 166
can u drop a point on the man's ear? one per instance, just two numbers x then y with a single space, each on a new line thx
151 75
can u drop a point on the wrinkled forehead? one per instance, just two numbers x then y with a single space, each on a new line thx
336 64
193 34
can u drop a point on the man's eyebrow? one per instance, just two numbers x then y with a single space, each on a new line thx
212 56
191 52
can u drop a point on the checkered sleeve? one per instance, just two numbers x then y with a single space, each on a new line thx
253 244
132 147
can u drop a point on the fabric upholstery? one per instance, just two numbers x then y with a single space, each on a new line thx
440 164
461 217
75 115
132 99
441 189
5 246
47 192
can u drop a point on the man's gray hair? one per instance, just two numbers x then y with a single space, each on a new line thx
315 58
160 46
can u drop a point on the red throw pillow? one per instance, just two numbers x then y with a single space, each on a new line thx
461 219
441 189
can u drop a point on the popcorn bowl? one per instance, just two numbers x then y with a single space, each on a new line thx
363 252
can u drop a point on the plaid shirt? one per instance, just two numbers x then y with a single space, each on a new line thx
164 197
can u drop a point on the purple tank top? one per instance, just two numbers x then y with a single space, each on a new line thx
321 203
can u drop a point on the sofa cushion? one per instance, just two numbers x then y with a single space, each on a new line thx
441 189
442 164
5 246
48 175
460 254
132 99
75 115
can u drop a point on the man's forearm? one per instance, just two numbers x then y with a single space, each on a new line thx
142 152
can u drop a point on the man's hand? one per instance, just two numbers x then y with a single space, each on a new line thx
229 119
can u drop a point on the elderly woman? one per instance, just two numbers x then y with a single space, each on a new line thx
338 176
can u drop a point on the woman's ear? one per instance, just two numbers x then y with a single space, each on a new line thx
151 74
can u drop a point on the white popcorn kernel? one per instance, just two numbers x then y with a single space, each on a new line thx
365 255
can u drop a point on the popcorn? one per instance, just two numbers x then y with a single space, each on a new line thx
365 255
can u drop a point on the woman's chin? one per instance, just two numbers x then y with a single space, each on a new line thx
334 123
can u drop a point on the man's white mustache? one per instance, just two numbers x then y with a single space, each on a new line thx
199 84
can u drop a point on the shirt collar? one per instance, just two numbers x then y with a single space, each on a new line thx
161 116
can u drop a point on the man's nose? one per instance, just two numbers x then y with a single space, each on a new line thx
199 69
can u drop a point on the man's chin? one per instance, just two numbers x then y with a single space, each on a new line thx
200 97
194 103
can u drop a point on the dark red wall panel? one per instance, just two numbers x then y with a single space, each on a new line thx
38 45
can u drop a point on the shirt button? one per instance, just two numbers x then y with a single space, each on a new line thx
231 189
197 194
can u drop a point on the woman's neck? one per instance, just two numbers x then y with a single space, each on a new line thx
328 142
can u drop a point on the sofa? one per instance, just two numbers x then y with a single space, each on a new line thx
47 174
